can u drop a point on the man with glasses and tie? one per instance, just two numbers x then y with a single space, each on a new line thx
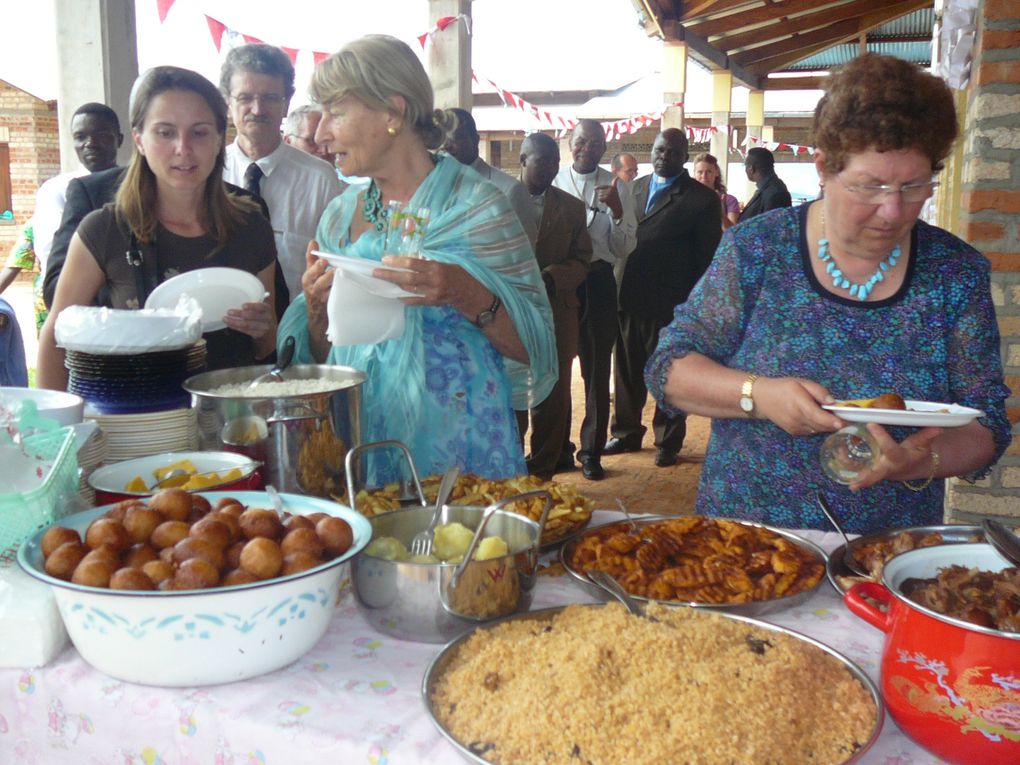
258 81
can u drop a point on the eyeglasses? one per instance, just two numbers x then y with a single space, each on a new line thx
876 195
269 99
309 139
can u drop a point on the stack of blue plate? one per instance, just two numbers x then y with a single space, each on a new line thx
141 382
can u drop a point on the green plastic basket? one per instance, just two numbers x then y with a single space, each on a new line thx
24 513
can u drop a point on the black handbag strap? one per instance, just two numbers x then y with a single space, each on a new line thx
136 260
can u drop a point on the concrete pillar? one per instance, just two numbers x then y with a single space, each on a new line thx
722 95
755 128
449 56
674 82
97 55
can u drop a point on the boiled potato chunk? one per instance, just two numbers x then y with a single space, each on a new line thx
423 559
451 540
491 547
387 548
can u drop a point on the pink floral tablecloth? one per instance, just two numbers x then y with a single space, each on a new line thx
354 698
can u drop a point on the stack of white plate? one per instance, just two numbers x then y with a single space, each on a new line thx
92 452
139 435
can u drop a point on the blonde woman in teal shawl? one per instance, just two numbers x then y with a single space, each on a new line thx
478 342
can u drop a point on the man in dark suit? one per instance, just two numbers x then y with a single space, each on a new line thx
678 227
563 250
90 192
771 193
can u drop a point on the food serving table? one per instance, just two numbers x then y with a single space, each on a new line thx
354 698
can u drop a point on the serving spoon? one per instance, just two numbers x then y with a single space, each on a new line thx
849 559
1002 539
276 373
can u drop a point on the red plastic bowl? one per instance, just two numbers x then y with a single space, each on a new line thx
109 481
952 686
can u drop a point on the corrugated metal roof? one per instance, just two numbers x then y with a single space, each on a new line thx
916 24
917 53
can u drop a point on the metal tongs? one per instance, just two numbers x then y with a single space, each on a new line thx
849 559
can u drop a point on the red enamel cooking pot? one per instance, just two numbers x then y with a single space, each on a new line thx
952 686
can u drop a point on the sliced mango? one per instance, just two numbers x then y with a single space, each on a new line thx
186 465
136 485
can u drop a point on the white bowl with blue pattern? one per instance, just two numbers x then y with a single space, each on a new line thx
201 637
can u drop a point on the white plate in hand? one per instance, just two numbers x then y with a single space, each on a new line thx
361 270
918 414
216 290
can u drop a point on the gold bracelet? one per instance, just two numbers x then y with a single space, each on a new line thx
931 475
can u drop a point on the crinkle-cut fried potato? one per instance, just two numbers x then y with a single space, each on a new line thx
698 559
570 511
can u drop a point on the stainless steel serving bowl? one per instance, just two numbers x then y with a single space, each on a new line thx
441 663
753 608
301 438
434 603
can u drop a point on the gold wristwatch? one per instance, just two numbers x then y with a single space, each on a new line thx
746 395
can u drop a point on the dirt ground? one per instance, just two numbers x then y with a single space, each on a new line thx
633 477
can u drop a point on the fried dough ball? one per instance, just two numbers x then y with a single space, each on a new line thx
130 579
107 531
260 522
230 520
889 401
104 552
262 558
196 547
299 561
298 522
214 531
138 555
141 521
158 571
62 562
196 574
336 535
302 540
56 536
316 517
200 505
167 555
95 572
237 576
175 504
169 533
232 556
229 505
119 510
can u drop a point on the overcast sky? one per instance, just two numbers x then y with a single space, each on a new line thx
522 45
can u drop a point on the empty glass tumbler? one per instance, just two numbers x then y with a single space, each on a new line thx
848 453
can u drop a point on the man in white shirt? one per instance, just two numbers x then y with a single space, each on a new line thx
462 144
258 81
612 226
625 167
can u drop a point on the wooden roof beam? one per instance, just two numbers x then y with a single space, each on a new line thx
802 24
810 82
700 10
769 14
775 56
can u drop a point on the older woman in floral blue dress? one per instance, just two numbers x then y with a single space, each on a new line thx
850 296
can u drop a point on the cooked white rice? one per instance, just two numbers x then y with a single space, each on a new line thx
277 389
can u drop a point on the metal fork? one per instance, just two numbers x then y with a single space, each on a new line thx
421 544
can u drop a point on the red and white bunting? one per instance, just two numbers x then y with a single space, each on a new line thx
774 146
163 8
224 35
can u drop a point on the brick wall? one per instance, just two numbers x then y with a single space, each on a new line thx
31 125
990 220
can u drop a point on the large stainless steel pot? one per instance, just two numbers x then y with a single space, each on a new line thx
301 439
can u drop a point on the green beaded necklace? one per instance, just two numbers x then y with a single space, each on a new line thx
859 291
373 209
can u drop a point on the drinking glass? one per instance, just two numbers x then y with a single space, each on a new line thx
405 229
848 453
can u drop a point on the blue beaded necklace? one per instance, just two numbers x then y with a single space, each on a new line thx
859 291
